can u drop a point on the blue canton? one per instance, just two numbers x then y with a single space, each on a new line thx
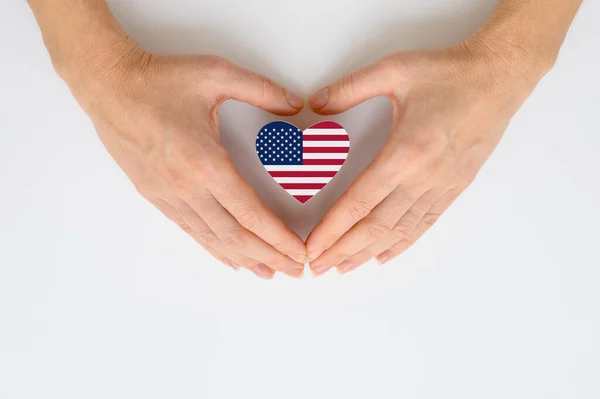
279 143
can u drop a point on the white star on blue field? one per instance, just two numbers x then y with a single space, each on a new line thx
279 143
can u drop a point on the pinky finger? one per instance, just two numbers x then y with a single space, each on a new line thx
203 234
436 210
220 257
258 269
171 213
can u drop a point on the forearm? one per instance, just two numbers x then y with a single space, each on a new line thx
79 34
530 32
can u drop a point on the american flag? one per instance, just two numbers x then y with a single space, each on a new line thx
302 162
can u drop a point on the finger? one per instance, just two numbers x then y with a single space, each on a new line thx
391 220
217 255
374 80
377 225
172 214
402 230
240 200
207 238
428 220
236 237
369 189
260 91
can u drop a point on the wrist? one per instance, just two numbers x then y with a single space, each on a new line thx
525 36
83 60
511 54
509 67
104 63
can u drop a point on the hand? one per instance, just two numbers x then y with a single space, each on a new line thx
451 107
157 116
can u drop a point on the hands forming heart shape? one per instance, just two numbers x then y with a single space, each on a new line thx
449 114
157 116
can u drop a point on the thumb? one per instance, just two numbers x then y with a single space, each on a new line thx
353 89
252 88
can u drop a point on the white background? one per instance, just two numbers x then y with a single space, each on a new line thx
102 297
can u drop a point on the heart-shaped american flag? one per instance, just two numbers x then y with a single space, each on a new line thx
302 162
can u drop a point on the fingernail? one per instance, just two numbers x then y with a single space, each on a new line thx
264 271
298 258
319 270
295 273
319 99
346 266
385 257
294 100
231 264
314 254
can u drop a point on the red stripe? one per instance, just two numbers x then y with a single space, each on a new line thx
326 137
302 186
323 161
326 149
326 125
296 173
303 198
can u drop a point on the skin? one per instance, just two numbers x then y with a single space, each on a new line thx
451 108
157 116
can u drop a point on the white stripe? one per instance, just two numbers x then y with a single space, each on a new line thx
322 155
303 179
325 131
326 144
302 192
303 168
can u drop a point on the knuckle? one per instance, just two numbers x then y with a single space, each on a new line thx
333 237
359 209
427 146
234 239
388 66
185 167
177 168
412 217
436 171
266 87
378 228
181 187
188 159
430 219
385 170
210 215
207 237
402 229
347 86
172 168
215 67
248 218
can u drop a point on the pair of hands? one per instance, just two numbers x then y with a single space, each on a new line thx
157 116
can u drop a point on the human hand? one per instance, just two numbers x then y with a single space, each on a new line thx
157 116
451 107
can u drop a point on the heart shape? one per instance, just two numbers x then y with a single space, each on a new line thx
302 162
